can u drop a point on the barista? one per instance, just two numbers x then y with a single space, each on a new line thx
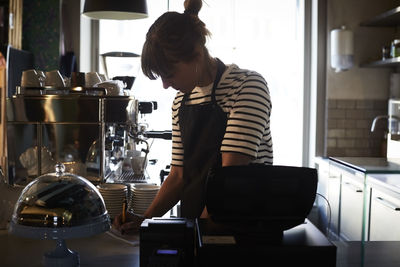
220 115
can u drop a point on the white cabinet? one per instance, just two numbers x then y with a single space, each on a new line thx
384 210
346 195
333 195
364 205
352 207
320 215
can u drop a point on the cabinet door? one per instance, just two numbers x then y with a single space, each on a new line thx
352 205
384 216
321 217
333 196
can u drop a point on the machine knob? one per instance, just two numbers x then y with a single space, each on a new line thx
147 107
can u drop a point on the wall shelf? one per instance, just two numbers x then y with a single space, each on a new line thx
387 63
389 18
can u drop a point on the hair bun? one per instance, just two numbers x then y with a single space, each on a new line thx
192 7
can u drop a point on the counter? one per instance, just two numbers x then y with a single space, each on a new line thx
368 254
104 250
100 250
368 164
387 181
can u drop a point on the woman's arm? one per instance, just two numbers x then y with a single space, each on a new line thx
234 159
168 195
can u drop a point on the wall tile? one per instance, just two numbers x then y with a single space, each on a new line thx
349 128
331 103
381 104
363 124
331 142
355 114
338 152
336 133
332 123
346 104
354 133
365 104
345 143
362 143
337 113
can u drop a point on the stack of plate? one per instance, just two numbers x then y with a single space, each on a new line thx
142 196
114 196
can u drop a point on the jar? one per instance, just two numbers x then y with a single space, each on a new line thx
386 52
395 50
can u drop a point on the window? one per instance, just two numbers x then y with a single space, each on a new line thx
262 35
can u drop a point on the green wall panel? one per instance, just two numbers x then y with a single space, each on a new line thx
41 32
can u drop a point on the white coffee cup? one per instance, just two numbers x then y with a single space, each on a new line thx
92 78
30 78
54 78
102 77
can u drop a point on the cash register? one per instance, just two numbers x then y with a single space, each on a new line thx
257 217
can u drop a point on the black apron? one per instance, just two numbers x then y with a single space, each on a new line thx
202 130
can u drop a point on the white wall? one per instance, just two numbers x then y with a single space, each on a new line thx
359 83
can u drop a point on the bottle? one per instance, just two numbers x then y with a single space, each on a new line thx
395 49
386 50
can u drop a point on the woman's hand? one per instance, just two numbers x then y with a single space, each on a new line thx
131 225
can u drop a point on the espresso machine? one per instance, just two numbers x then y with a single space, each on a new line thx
393 137
93 134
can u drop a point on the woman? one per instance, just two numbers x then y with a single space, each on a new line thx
220 115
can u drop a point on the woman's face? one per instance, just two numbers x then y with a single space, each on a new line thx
183 78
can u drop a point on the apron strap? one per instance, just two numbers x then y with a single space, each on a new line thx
220 70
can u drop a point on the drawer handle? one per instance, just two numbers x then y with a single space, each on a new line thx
355 188
386 203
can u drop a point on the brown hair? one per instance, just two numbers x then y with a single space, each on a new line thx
172 38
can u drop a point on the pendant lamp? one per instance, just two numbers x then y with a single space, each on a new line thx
115 9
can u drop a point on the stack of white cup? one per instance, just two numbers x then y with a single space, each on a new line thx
31 78
37 78
54 79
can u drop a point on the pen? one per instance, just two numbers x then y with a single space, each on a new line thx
123 212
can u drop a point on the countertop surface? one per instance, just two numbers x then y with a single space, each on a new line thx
100 250
386 180
368 164
105 250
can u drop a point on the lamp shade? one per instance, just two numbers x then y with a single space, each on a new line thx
115 9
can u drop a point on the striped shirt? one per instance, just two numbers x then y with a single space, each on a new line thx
244 96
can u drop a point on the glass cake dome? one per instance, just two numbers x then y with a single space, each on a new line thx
59 206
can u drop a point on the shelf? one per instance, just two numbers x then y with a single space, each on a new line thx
387 63
387 19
